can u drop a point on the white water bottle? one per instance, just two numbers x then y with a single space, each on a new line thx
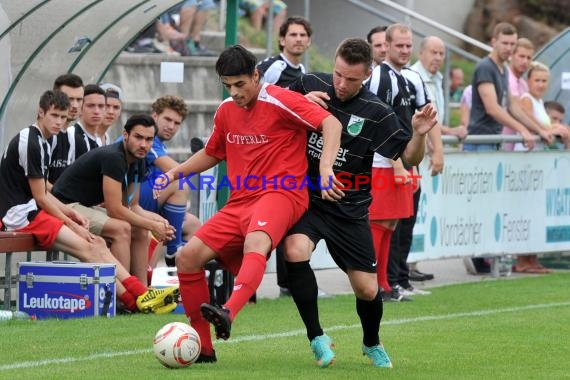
505 265
6 315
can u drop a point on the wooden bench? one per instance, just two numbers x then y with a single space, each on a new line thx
11 242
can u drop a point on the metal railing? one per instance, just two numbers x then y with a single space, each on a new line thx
484 139
182 154
436 25
463 37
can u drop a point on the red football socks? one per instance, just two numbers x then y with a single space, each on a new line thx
134 286
128 300
381 237
247 282
194 292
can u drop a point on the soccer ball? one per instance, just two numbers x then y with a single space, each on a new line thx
177 345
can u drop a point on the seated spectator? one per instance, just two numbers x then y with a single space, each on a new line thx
455 84
114 106
184 36
146 42
168 113
72 86
27 206
83 134
258 10
112 175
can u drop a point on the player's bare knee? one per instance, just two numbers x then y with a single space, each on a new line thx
188 258
367 293
179 196
191 224
138 233
122 231
95 251
297 250
257 241
99 243
84 251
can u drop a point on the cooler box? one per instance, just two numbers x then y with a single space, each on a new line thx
65 289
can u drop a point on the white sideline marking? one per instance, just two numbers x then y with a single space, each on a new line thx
250 338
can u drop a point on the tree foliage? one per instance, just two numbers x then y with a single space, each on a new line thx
550 11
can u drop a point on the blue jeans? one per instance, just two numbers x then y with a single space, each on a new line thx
203 5
480 147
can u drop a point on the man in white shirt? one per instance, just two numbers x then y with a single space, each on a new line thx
431 57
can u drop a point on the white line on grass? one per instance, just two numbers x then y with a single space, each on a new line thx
249 338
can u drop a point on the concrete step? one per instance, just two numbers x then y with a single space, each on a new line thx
216 41
139 77
213 40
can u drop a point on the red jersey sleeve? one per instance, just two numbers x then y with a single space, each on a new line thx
297 108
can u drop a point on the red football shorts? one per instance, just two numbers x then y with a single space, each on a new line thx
45 229
273 213
390 200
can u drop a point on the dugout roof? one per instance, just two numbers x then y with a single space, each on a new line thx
41 39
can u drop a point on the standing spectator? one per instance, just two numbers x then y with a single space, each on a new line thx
376 37
532 103
258 10
114 106
517 67
404 90
538 78
455 84
254 129
27 206
369 126
294 40
492 107
431 57
490 96
282 70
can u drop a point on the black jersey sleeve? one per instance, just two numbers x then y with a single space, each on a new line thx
33 161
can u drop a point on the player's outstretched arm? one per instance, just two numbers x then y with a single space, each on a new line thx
331 130
198 163
422 122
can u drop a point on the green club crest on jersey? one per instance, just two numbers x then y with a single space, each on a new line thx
355 125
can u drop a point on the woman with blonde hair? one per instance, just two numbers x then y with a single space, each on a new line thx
533 105
538 77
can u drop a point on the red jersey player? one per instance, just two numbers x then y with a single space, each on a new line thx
261 132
